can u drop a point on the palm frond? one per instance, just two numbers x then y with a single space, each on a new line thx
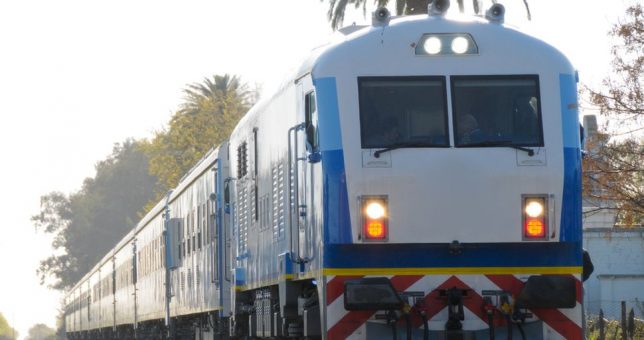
400 7
527 8
338 13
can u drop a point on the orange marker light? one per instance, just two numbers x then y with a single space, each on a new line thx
375 230
534 228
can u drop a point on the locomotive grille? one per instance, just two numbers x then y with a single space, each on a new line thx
189 278
183 281
279 191
198 276
242 216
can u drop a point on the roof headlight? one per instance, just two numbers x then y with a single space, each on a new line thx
433 45
459 45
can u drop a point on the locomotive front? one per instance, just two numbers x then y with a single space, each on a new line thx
450 166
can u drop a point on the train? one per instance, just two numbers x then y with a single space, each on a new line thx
418 178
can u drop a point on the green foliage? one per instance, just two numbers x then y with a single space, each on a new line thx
41 332
612 330
88 223
6 332
207 117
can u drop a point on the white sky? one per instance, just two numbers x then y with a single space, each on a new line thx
78 76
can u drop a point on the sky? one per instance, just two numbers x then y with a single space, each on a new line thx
77 76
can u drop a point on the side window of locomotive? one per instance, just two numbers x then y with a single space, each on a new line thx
406 111
497 111
310 121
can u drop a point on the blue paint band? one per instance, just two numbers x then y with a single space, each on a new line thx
328 114
417 255
571 221
337 223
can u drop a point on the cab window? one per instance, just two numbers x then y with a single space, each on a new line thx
409 111
496 111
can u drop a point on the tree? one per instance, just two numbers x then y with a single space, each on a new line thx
210 111
88 223
41 332
6 331
614 167
614 178
337 8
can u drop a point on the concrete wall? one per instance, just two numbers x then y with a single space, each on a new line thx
618 256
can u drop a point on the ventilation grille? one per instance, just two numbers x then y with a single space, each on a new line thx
279 204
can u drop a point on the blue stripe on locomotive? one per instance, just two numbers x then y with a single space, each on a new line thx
571 202
337 224
417 255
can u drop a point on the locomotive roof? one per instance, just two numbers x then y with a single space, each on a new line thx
361 46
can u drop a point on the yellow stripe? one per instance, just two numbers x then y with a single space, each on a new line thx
453 271
419 271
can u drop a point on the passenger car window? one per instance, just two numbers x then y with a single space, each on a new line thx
496 111
409 111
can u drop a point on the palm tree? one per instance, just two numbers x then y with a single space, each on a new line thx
403 7
205 95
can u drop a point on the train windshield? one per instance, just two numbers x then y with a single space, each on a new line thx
496 111
407 111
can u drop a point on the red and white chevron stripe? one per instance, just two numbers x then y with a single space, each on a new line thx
343 324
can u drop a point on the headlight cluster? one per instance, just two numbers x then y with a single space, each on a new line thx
446 44
375 218
535 226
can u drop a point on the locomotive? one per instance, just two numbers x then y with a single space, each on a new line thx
418 177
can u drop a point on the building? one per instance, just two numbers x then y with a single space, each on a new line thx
618 256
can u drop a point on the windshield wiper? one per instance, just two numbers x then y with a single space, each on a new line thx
402 145
507 143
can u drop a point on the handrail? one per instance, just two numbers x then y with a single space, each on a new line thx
293 193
